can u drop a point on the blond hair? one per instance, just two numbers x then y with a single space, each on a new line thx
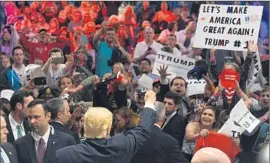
97 121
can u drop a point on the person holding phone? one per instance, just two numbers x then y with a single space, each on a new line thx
147 48
55 68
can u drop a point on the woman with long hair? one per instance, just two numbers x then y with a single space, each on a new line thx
83 58
194 130
124 119
54 26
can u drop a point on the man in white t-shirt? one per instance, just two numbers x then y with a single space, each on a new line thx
147 48
54 71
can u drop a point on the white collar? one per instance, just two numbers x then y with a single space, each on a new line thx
169 117
157 126
13 123
45 137
150 45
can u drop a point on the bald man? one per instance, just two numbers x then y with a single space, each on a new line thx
210 155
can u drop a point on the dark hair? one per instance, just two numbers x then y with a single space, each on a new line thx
145 59
174 96
56 105
15 48
42 30
55 50
171 26
173 35
178 77
265 89
18 97
215 124
42 102
202 63
110 29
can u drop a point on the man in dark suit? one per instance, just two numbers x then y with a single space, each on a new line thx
41 144
8 153
60 115
98 147
160 147
175 124
17 125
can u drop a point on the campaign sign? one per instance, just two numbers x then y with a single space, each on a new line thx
178 65
228 27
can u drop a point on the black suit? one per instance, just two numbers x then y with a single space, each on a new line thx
159 148
176 128
117 149
26 150
11 152
10 136
59 127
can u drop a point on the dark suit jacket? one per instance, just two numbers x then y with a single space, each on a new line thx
176 128
26 150
117 149
59 127
11 152
159 148
10 136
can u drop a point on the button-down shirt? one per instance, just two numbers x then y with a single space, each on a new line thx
14 127
142 47
4 156
45 137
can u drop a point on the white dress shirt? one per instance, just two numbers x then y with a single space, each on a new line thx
14 127
168 118
45 137
142 47
4 156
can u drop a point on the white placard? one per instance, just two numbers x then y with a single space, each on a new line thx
247 121
145 82
255 68
242 116
178 65
240 120
231 129
195 87
228 27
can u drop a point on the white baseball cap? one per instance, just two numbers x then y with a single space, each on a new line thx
6 94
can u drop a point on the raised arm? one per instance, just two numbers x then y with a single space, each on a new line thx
104 26
134 139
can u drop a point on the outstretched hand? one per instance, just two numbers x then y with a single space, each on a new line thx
163 71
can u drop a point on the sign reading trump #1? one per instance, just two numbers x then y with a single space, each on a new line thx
228 27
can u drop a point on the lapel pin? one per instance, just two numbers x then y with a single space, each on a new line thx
53 143
10 153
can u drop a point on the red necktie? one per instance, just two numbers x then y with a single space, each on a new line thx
41 150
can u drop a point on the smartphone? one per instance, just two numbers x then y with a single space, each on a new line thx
84 40
59 60
136 70
40 81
